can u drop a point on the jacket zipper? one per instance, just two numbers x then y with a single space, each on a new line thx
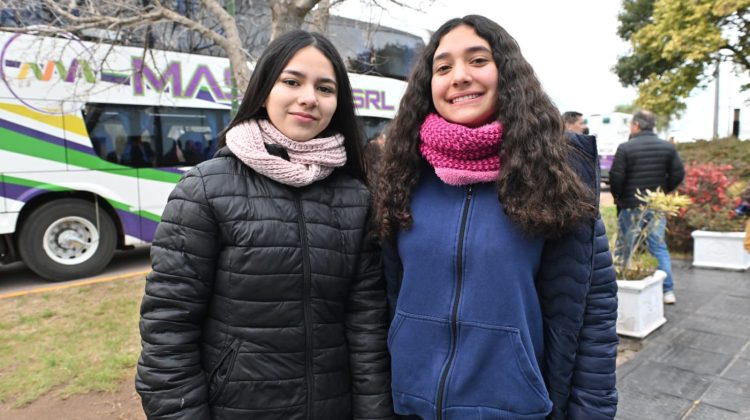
456 300
306 303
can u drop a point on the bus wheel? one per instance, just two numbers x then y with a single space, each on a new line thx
61 240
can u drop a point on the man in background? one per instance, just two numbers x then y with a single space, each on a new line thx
574 122
644 162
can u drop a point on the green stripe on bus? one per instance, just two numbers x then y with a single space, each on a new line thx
150 216
33 184
86 160
23 144
48 187
30 146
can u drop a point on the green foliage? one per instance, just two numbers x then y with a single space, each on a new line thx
635 15
733 156
727 151
675 44
609 216
641 264
656 206
715 193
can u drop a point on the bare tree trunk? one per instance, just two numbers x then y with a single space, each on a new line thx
234 50
288 15
320 16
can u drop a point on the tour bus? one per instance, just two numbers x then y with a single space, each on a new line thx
610 130
93 137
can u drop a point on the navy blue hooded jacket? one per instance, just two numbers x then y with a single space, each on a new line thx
484 328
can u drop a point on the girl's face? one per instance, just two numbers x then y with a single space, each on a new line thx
303 100
464 78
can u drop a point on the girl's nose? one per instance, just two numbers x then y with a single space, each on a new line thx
307 98
461 75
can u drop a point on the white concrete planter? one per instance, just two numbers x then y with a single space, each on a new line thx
720 250
640 308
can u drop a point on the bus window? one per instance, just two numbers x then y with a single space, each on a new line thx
188 135
148 136
109 130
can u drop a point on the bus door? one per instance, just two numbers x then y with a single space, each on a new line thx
105 163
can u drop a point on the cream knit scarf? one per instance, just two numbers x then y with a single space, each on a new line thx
308 162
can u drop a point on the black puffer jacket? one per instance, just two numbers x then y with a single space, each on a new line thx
644 162
265 301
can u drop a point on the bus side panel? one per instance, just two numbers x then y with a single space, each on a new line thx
2 195
79 148
7 220
118 188
28 133
154 187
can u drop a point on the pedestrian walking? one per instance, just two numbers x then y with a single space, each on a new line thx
644 162
497 263
266 299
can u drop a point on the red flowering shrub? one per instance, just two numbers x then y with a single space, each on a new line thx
708 186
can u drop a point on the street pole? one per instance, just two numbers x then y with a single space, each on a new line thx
231 11
716 101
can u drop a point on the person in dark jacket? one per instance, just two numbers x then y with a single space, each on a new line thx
266 299
499 276
645 162
574 122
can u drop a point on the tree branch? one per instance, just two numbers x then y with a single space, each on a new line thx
738 55
103 20
197 27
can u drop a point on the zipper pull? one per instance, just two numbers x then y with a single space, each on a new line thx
470 192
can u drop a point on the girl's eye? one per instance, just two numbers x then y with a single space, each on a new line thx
290 82
480 61
442 68
327 90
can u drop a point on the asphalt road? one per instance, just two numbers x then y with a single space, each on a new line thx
16 277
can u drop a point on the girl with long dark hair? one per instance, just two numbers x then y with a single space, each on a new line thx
266 299
496 259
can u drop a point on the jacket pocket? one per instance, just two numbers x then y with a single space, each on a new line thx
220 374
398 320
419 348
493 369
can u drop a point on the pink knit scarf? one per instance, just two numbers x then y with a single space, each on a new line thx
461 155
308 162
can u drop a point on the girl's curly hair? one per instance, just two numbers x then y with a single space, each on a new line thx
537 187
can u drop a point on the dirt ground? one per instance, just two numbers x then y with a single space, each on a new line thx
125 404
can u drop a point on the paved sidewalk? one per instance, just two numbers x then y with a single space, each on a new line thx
696 366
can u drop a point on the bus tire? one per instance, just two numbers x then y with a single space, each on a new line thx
61 240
